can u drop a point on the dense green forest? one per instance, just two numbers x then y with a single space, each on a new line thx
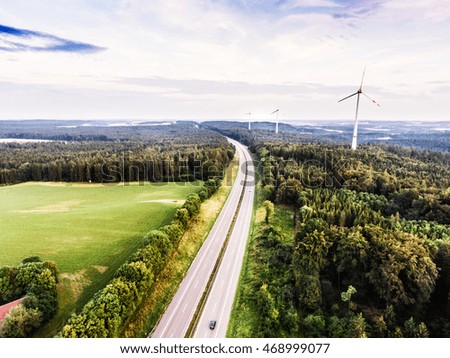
179 152
368 251
36 281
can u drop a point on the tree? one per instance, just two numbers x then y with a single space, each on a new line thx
413 330
20 322
310 292
270 209
358 326
314 326
347 296
287 192
269 312
379 327
182 215
402 270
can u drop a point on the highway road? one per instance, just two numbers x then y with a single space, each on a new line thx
221 295
180 312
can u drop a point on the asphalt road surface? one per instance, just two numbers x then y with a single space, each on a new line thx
180 312
221 296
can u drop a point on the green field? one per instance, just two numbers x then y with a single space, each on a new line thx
89 230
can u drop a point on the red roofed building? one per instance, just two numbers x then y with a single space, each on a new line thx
4 310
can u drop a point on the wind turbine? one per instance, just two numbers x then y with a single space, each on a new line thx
276 120
357 93
249 114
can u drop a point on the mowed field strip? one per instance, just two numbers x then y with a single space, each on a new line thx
89 230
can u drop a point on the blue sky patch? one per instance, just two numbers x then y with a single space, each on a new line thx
17 40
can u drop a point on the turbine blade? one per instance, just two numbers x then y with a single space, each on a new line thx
343 99
275 111
362 80
371 99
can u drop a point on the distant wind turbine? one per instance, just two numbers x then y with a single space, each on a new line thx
359 92
276 120
249 114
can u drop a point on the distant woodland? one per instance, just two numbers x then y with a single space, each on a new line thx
179 152
432 136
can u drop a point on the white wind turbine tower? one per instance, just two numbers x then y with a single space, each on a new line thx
359 92
249 114
276 120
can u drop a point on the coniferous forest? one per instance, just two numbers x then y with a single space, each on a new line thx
178 152
360 246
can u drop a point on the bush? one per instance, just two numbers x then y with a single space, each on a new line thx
21 322
31 259
314 326
182 215
37 281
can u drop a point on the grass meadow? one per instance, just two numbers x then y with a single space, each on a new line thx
89 230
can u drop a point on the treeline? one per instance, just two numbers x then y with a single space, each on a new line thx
105 162
96 153
369 255
35 281
415 183
423 136
263 132
108 312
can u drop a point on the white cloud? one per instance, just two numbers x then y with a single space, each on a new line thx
259 53
295 4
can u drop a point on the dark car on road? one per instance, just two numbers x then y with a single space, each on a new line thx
212 324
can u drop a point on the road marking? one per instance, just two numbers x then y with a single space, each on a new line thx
185 306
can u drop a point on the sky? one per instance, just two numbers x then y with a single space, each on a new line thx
220 59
